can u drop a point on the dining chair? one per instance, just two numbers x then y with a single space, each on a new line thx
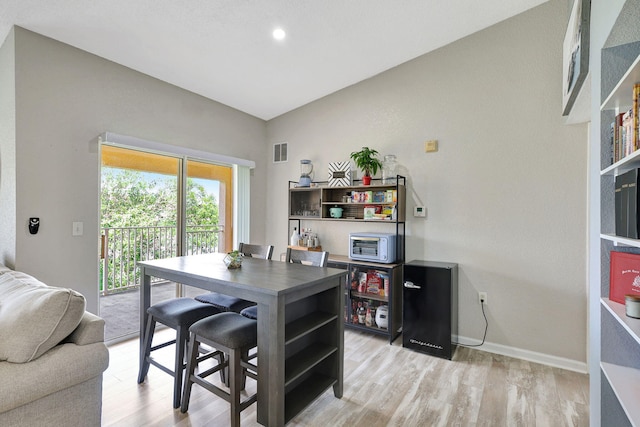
315 258
229 303
178 314
233 335
256 251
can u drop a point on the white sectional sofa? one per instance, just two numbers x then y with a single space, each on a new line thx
52 355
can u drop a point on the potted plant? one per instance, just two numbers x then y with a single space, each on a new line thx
233 259
367 160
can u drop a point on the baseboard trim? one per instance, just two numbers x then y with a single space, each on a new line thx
531 356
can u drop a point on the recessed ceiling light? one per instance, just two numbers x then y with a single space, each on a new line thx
279 34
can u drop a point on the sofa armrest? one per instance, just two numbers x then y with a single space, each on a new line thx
63 366
89 331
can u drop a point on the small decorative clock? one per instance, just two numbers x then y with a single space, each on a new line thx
339 174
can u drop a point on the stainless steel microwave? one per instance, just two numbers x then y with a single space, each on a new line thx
374 247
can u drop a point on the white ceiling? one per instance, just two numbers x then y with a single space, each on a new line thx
223 49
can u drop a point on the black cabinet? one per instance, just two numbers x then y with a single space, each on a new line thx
430 307
373 296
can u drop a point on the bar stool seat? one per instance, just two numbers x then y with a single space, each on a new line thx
178 314
250 312
231 334
224 302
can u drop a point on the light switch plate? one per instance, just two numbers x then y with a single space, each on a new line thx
78 229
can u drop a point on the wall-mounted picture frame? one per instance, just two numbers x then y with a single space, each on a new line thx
339 174
575 62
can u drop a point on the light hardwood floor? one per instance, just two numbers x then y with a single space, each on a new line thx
384 385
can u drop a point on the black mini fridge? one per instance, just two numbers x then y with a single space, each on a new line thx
430 307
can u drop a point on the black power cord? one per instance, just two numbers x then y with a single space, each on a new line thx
486 327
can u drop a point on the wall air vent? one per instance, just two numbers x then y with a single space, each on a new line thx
280 152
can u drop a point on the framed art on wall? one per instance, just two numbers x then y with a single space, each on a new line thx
575 61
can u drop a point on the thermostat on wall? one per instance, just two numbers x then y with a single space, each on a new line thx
419 211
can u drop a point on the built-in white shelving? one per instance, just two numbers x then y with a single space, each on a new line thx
621 241
625 383
623 165
620 97
618 311
620 363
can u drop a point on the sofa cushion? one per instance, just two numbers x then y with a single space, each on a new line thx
4 269
34 317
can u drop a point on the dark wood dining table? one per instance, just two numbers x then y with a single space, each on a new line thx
300 323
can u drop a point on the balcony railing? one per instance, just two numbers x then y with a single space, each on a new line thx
123 247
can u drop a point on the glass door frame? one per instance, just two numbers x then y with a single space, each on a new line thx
229 237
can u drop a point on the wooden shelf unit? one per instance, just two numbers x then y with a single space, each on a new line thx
314 204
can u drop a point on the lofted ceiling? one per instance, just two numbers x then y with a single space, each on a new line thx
224 50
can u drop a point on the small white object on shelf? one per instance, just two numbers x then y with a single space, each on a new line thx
295 237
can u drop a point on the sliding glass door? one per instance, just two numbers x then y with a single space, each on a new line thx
155 206
208 212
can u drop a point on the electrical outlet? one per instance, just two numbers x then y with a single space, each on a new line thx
482 297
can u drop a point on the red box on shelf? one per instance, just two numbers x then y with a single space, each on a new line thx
624 278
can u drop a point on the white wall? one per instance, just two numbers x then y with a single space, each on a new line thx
7 153
505 193
65 99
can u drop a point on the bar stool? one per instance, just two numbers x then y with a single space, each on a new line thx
234 335
178 314
228 303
